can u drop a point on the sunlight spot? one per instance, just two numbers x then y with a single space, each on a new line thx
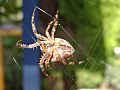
117 50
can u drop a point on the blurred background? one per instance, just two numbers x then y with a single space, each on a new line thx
91 26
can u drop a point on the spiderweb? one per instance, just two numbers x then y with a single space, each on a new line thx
92 63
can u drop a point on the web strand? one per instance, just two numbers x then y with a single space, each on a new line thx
74 40
87 54
13 59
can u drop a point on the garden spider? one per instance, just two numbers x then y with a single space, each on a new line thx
53 49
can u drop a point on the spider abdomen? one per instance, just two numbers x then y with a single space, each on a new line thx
63 50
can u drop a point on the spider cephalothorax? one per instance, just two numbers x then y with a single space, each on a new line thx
54 49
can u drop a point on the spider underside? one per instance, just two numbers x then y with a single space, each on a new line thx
54 49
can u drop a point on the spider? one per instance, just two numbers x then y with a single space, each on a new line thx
53 49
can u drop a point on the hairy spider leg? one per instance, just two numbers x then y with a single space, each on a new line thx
47 30
39 36
42 64
54 25
47 61
18 44
71 63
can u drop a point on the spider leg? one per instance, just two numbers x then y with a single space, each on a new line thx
47 29
54 25
34 27
47 64
71 63
42 67
18 44
42 64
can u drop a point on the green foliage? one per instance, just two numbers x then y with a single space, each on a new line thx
87 22
113 76
10 11
79 11
12 72
2 0
91 79
86 18
111 15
